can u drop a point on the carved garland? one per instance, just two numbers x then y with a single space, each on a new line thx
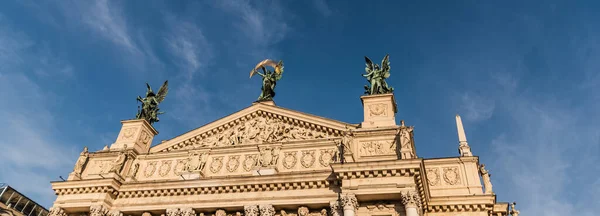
308 158
233 163
201 137
290 159
150 168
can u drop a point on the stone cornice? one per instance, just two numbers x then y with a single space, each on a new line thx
450 160
461 203
109 185
227 185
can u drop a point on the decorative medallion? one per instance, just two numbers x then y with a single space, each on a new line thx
433 176
451 175
308 158
326 157
233 163
150 168
289 160
165 167
216 164
179 166
250 162
378 109
145 137
128 133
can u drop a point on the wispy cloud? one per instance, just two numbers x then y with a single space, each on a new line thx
476 107
108 21
262 24
189 47
322 7
28 136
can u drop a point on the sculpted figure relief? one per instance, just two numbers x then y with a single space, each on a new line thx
405 133
376 76
255 131
487 182
83 157
196 162
268 156
134 170
117 164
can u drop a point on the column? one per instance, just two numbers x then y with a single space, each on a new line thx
411 202
349 204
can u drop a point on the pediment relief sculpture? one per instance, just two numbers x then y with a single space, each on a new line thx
256 128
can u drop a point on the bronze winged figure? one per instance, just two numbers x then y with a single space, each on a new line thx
149 109
269 78
376 76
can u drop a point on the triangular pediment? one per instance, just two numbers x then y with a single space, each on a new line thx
257 124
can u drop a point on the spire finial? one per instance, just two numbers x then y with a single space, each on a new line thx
463 146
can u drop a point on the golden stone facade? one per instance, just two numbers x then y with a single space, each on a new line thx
267 160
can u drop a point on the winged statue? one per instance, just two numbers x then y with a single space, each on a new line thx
376 76
150 110
269 78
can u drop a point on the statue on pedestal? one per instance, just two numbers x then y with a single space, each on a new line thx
376 76
83 157
269 78
149 110
487 182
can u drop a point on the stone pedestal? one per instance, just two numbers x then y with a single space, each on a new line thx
135 134
74 176
379 110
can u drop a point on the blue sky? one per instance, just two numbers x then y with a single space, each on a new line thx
523 74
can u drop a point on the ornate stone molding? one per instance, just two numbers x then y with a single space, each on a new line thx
303 211
255 128
267 210
410 199
56 211
349 201
114 212
173 212
459 208
336 210
187 211
225 189
251 210
98 210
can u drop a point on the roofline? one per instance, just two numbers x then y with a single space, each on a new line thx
21 194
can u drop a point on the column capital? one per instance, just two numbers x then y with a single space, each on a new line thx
349 201
335 208
56 211
251 210
98 210
114 212
410 199
266 210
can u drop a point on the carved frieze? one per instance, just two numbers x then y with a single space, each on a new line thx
150 168
451 175
303 211
433 176
290 159
255 129
221 212
375 148
187 211
308 158
180 165
250 161
326 156
216 164
233 163
145 137
268 156
165 167
98 167
128 133
378 109
196 161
